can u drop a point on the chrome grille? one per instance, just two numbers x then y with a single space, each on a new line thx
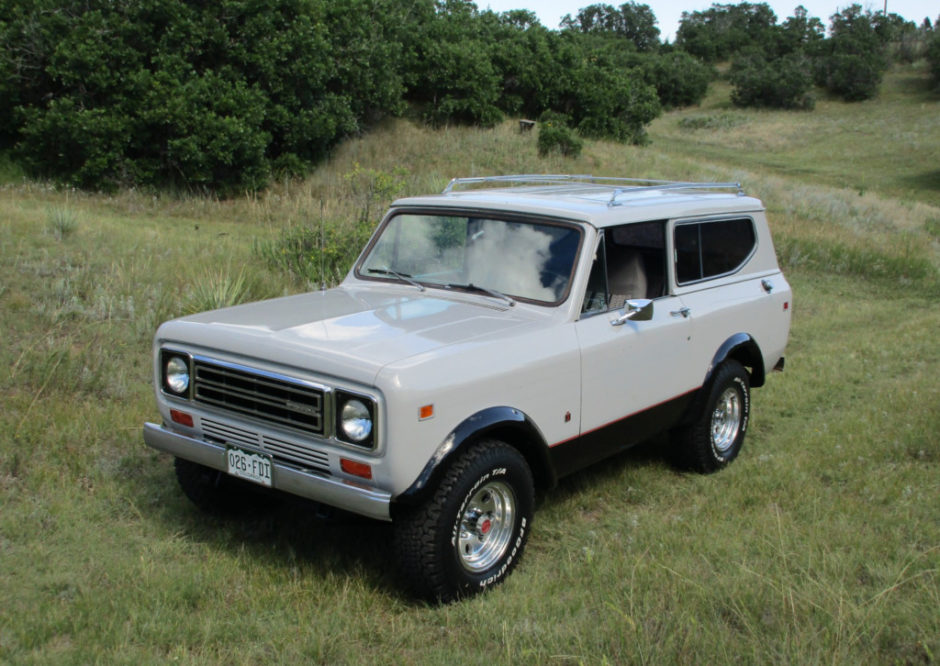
269 398
280 449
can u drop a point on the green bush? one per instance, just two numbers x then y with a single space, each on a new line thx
679 78
608 103
854 77
852 61
717 33
933 57
223 96
718 121
783 83
632 21
556 136
197 95
318 254
453 73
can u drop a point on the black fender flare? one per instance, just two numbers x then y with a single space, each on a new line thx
506 423
743 348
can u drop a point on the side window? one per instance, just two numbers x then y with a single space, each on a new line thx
630 263
709 249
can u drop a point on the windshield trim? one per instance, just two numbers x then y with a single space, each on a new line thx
502 216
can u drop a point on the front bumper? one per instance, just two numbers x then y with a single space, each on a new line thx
333 492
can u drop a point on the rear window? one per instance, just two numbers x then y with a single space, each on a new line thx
712 248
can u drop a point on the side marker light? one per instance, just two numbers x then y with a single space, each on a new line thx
356 468
181 417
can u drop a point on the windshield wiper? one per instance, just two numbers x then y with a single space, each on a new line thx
484 290
404 277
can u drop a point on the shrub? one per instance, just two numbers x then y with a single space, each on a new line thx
62 222
851 62
556 136
373 189
198 95
223 96
321 254
719 32
613 104
453 74
216 289
933 57
324 252
854 77
679 78
782 83
718 121
632 21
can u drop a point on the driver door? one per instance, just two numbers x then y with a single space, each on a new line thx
635 371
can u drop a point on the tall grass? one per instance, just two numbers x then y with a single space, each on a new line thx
821 544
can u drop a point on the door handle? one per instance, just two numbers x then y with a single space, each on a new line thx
684 311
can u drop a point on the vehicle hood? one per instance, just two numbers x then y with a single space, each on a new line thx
345 332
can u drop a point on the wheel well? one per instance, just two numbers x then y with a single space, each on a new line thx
743 349
506 424
533 450
753 362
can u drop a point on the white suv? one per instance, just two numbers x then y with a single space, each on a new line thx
489 340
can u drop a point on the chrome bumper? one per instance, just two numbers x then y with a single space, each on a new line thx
334 492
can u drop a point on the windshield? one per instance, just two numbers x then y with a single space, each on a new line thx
525 260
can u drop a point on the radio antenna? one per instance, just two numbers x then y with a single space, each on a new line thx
322 243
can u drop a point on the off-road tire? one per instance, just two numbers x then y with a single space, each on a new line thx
715 436
470 533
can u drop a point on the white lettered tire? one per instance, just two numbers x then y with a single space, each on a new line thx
470 533
715 437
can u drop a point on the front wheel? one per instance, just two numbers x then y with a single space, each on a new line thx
471 532
714 439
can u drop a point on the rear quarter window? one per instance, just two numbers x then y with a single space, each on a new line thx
712 248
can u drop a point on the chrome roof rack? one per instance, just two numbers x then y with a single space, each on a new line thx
617 186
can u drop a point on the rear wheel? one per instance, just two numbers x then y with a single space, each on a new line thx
714 439
471 532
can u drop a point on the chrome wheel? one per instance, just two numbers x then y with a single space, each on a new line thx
726 420
486 526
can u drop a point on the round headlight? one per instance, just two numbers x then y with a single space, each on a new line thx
356 421
177 375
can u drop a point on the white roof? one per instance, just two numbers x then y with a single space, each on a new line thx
597 201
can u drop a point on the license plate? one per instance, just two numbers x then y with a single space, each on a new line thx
250 466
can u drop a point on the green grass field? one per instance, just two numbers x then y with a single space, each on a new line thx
821 544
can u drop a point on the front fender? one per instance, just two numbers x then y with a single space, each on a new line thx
506 423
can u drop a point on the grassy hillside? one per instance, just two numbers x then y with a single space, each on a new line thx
889 145
820 544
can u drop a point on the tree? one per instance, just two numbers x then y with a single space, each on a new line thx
454 78
198 95
782 83
679 78
933 57
851 62
633 21
222 96
719 32
800 31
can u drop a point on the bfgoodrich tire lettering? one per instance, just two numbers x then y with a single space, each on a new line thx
471 532
715 437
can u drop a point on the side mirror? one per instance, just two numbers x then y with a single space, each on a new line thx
635 309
